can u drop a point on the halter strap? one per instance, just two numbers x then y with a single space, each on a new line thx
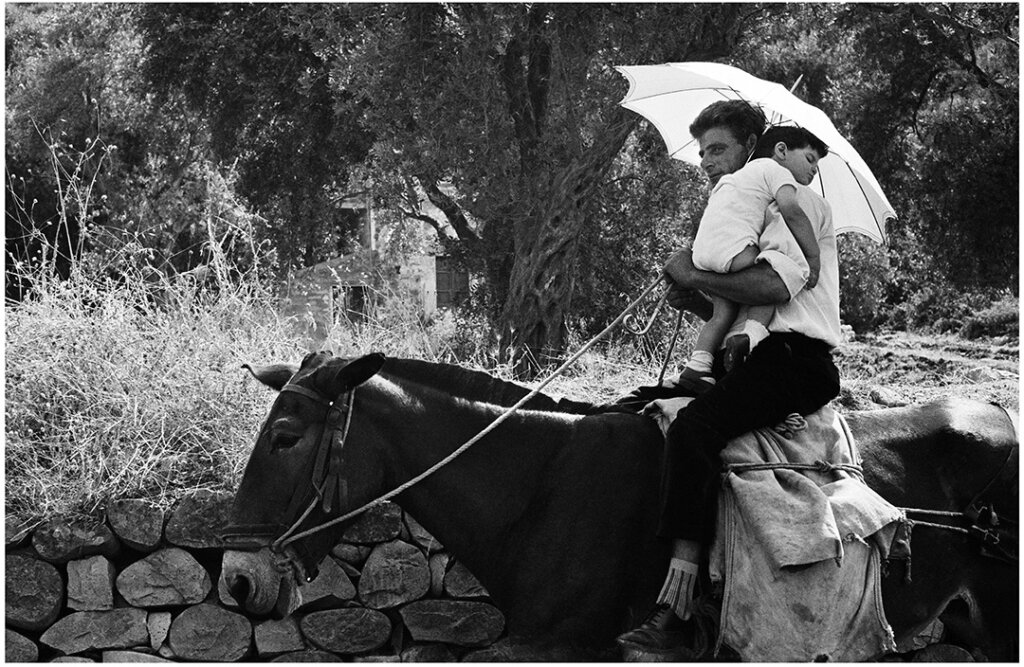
308 393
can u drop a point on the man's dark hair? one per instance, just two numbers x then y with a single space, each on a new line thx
793 137
740 117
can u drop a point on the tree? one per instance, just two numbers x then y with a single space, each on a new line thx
264 90
514 106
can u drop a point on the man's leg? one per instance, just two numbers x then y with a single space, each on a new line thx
787 373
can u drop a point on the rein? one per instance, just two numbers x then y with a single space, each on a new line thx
287 538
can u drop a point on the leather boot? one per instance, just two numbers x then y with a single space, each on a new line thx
661 630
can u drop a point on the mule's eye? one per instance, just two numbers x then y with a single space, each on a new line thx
283 440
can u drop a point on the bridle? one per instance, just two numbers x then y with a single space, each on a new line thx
330 489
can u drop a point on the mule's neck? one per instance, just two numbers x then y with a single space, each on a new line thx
473 503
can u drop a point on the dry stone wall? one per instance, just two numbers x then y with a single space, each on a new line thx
143 587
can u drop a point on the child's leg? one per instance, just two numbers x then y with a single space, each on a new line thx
757 318
698 368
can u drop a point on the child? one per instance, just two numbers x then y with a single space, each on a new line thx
733 220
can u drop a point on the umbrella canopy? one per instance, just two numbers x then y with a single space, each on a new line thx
671 95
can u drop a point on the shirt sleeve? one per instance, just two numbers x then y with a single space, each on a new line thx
775 176
781 251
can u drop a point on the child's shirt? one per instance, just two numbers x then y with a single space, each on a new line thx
736 212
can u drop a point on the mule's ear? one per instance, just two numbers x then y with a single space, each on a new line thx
333 380
274 376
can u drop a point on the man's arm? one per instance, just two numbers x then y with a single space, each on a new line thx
683 298
757 285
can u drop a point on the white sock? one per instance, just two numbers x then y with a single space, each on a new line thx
701 362
679 584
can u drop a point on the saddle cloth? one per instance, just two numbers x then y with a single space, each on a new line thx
798 551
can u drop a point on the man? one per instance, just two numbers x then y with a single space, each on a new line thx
789 371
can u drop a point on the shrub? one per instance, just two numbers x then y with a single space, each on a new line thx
1001 318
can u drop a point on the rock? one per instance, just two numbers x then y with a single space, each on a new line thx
330 588
87 630
378 524
886 397
505 651
453 622
159 624
347 631
59 541
942 653
16 531
72 658
210 634
137 522
421 537
131 656
353 554
459 582
376 658
34 592
395 573
277 637
351 570
19 648
91 584
166 651
438 568
307 656
167 577
429 653
199 519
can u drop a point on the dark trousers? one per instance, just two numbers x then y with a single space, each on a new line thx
786 373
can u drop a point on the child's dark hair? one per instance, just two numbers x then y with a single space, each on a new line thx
793 137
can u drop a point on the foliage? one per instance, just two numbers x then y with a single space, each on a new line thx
863 274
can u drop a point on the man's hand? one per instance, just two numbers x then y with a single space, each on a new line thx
680 269
737 349
683 298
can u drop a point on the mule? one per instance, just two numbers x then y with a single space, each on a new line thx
555 510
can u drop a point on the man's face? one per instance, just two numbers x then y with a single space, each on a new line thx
720 153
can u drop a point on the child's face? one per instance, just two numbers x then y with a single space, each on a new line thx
801 162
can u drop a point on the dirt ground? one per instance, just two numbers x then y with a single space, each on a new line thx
892 369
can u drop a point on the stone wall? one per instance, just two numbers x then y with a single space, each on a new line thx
143 587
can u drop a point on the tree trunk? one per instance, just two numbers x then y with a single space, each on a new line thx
541 285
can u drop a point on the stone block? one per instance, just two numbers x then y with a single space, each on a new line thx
330 588
72 658
91 584
438 569
199 519
429 653
346 631
159 624
19 648
131 656
459 582
34 592
308 656
208 633
59 541
353 554
378 524
276 637
167 577
138 523
463 623
421 536
16 531
90 630
395 573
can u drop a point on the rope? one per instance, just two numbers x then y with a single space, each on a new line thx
479 436
817 466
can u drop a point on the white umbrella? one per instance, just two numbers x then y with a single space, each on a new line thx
671 95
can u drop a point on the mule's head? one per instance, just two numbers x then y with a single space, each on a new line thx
300 475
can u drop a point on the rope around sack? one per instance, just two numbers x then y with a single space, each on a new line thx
490 427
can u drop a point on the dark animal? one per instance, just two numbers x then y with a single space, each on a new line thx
554 511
